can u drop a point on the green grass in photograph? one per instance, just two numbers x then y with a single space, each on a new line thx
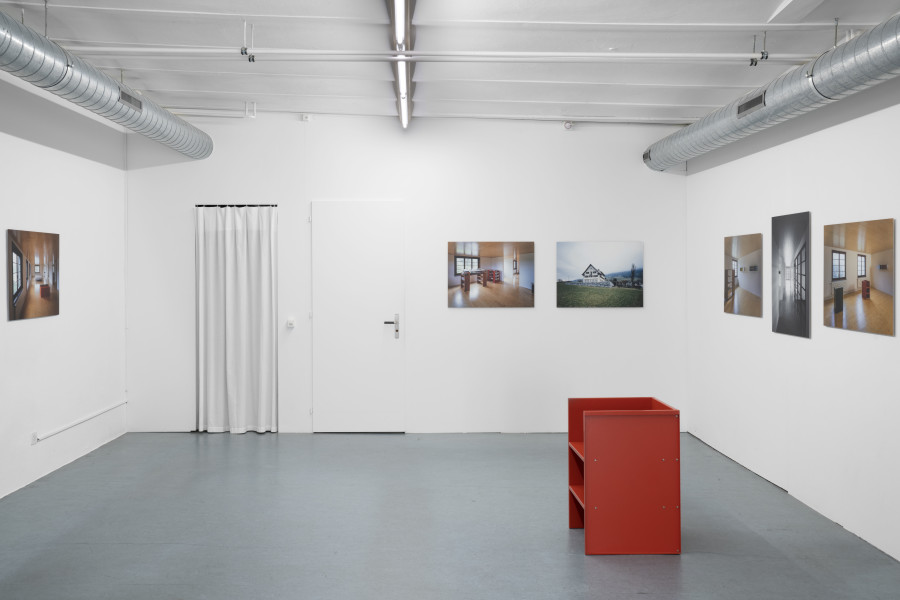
579 295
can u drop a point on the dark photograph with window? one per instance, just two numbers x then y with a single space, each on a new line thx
743 275
859 276
490 274
33 274
790 274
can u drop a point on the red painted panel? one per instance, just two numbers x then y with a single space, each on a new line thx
626 454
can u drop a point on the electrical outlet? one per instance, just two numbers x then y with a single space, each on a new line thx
34 438
306 117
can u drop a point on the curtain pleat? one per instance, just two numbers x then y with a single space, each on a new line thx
237 341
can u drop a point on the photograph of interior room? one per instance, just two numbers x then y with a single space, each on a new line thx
474 121
743 275
859 283
490 274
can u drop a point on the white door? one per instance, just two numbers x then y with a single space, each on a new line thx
357 285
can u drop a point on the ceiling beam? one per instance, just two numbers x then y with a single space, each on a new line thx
791 11
643 27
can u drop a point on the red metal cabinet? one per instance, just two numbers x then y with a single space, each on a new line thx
624 475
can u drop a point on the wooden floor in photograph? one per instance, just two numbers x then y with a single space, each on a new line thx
395 517
875 315
494 295
41 306
744 303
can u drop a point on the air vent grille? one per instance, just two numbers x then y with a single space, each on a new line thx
754 103
126 98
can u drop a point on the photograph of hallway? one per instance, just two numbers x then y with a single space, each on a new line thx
33 263
743 275
790 274
859 276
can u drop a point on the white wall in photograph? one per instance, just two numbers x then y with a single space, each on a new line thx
883 279
751 280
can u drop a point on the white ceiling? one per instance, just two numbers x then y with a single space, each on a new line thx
653 61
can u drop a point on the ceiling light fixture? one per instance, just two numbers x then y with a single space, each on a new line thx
401 17
403 91
400 24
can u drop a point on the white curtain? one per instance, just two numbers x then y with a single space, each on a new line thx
237 341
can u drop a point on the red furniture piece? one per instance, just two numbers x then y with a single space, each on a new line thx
464 281
45 290
865 289
625 475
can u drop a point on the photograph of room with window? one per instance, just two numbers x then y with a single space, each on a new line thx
490 274
33 263
859 276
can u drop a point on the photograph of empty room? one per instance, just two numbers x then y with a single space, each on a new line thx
859 276
33 267
743 275
490 274
790 274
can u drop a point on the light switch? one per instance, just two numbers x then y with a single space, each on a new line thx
291 322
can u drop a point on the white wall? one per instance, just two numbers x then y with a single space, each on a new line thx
830 441
751 281
527 276
57 370
460 180
883 279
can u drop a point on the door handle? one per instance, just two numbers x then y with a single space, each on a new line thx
396 324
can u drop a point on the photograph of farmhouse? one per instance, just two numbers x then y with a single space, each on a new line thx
600 274
33 267
490 274
859 276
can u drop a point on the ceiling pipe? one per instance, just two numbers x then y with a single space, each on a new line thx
39 61
410 55
853 66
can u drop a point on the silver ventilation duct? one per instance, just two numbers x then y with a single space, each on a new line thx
42 62
864 61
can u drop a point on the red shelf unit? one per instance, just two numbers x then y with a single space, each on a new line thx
625 475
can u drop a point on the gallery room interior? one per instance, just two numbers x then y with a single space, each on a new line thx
407 447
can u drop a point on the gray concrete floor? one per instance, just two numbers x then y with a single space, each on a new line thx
190 516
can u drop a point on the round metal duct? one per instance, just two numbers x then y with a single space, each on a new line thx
863 62
34 58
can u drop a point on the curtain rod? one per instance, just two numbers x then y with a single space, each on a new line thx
234 205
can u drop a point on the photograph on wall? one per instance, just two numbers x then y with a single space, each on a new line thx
600 274
33 274
790 274
743 275
859 276
490 274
